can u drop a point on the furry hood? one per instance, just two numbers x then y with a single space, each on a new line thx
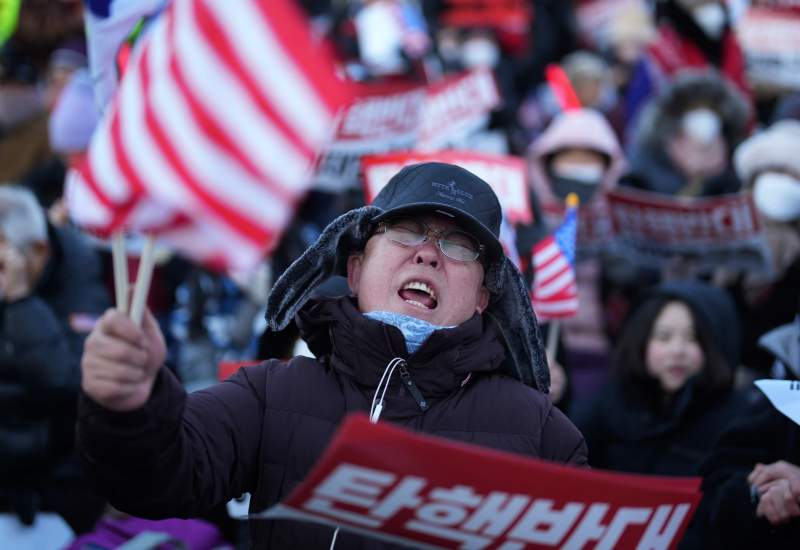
509 308
661 117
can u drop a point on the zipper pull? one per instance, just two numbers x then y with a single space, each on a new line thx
412 388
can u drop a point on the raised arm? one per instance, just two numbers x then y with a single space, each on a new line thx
153 450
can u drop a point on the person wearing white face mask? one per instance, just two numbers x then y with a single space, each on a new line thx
684 138
710 17
768 165
777 196
480 50
579 153
690 35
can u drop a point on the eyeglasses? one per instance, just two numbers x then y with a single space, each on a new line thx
455 244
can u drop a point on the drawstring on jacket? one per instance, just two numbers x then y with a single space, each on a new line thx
376 408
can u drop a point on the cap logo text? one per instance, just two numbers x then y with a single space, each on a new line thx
451 192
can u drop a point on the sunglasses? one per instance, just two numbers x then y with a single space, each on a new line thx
455 244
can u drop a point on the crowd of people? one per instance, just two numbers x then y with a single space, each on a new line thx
653 375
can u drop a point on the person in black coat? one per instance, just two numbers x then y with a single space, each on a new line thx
50 292
751 480
430 339
670 391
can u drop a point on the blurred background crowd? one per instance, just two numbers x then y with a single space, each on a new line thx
685 98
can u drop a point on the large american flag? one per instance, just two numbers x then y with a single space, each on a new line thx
554 291
210 140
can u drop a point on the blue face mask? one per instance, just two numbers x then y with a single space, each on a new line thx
414 330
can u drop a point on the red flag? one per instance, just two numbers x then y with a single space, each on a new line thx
562 87
555 292
211 137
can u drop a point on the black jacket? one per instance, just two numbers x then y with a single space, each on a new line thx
625 435
726 517
41 341
262 430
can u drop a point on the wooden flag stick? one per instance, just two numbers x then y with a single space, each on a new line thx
120 263
143 277
552 339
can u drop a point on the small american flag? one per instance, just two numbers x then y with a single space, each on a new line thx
211 137
555 291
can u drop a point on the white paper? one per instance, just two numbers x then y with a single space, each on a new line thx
784 396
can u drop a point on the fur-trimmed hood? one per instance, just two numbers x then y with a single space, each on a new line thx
660 119
509 308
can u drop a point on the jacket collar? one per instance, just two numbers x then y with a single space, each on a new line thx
361 349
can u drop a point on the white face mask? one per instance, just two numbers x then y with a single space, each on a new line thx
710 18
777 196
585 173
702 125
18 104
479 52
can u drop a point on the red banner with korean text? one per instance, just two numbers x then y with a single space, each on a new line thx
709 231
457 106
595 233
404 118
381 481
770 38
506 175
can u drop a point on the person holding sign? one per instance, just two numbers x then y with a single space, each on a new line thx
438 337
751 480
671 390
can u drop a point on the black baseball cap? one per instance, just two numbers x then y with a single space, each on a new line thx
450 190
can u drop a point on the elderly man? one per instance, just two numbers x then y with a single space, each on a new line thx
440 319
50 293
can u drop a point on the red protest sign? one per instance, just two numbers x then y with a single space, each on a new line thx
506 175
405 117
381 119
379 480
714 230
683 221
595 234
770 39
381 112
457 106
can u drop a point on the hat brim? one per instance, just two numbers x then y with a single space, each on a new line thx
493 248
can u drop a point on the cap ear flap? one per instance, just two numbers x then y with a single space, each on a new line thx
514 318
328 255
